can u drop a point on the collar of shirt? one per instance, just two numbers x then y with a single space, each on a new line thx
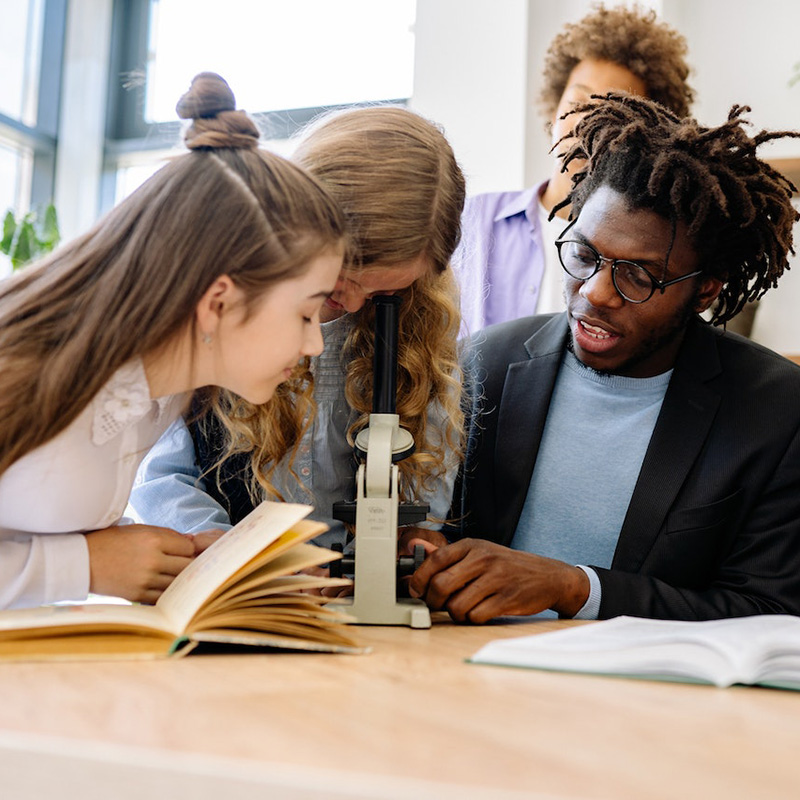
526 202
123 401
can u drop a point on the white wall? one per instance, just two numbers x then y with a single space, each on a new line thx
471 77
476 73
82 121
744 52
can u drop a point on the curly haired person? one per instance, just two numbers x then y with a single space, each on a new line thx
507 265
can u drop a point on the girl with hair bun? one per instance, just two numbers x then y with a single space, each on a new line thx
212 274
394 175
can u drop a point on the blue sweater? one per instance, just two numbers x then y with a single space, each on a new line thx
597 431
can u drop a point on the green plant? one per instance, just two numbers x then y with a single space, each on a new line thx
29 237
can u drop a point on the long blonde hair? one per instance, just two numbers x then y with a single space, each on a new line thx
132 283
394 175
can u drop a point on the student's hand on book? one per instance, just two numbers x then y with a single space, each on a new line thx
476 580
205 539
136 562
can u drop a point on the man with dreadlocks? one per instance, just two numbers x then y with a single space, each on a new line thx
627 435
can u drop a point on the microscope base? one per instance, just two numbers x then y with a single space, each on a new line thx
406 611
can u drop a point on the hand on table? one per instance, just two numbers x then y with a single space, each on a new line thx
476 580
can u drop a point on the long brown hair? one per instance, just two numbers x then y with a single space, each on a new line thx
132 283
394 175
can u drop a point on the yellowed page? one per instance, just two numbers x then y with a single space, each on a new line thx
211 569
54 619
325 644
277 588
69 632
86 643
294 538
261 571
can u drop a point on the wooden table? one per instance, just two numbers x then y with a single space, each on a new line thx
409 720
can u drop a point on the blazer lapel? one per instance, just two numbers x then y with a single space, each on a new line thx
523 410
687 414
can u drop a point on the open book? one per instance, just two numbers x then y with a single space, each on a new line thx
760 650
243 590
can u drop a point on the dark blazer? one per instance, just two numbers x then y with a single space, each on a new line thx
713 526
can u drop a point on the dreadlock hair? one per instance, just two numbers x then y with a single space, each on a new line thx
737 208
629 36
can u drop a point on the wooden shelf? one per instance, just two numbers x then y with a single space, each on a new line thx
790 167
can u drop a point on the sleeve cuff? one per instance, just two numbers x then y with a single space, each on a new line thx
66 567
591 608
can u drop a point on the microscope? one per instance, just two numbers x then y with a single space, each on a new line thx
377 511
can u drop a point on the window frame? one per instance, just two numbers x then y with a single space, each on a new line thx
41 139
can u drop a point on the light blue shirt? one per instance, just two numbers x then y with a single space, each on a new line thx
170 492
597 431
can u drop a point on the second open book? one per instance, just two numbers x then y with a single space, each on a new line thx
245 589
759 650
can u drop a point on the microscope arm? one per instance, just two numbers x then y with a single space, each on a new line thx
377 505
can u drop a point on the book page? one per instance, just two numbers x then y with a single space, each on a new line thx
721 652
262 526
300 532
286 556
67 618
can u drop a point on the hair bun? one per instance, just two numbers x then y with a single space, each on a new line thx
216 123
208 96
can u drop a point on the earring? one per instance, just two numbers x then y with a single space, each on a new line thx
207 338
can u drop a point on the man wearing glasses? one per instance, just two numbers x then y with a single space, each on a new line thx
626 457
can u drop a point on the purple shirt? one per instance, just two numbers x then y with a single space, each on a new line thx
500 260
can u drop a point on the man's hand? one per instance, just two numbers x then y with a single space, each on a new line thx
476 580
136 562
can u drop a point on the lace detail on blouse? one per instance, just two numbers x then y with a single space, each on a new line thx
123 401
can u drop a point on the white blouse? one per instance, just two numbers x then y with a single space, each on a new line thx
78 481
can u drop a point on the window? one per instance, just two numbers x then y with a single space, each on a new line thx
31 53
16 161
285 60
282 55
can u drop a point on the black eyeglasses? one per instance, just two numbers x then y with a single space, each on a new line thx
631 280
